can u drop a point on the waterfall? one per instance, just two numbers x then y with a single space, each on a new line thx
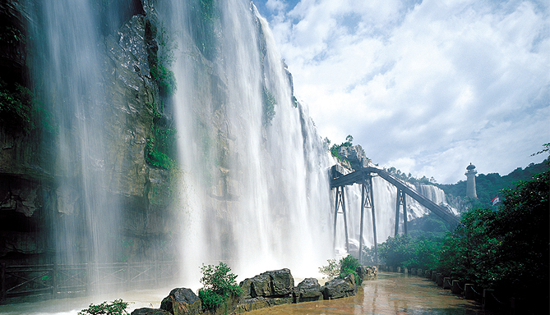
251 185
67 75
257 195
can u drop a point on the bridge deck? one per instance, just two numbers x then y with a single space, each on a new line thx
360 175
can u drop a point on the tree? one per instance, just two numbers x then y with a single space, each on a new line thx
349 139
506 249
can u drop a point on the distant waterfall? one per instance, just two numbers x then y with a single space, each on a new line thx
385 195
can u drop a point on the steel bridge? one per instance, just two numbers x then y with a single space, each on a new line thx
364 177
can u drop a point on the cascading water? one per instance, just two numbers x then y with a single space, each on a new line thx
255 186
385 195
67 75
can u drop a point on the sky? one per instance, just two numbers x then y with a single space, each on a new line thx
428 86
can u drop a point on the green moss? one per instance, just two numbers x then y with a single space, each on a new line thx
160 49
161 146
268 108
203 18
20 111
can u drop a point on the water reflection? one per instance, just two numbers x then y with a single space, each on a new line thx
391 293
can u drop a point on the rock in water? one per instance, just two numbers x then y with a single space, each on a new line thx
150 311
182 301
308 290
339 288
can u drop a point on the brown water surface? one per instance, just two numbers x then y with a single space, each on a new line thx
390 293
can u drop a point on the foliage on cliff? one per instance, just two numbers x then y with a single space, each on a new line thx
203 17
161 146
269 103
160 49
20 111
334 148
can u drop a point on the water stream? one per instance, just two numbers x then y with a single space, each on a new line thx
390 293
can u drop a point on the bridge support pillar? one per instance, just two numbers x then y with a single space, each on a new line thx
373 222
367 201
401 199
340 201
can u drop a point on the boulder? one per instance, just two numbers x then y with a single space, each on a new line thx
339 288
282 281
261 285
182 301
149 311
308 290
270 284
246 285
355 155
266 289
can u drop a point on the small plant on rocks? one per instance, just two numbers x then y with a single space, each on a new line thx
118 307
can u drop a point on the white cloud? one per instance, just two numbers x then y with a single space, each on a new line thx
429 86
275 5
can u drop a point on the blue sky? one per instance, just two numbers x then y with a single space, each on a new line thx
425 86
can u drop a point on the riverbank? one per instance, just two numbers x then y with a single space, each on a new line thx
389 293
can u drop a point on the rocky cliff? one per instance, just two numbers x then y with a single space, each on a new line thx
34 202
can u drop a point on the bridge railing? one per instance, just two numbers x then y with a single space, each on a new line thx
59 280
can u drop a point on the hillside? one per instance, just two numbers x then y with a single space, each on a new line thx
489 185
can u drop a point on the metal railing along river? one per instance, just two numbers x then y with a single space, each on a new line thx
58 280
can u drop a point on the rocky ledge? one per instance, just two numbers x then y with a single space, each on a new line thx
264 290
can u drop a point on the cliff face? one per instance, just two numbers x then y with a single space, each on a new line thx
38 195
170 133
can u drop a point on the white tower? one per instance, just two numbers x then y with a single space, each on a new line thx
471 183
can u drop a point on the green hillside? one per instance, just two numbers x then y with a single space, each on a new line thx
488 186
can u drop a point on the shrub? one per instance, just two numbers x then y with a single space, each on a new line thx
118 307
332 270
341 268
219 284
348 265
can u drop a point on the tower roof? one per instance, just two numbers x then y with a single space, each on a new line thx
470 167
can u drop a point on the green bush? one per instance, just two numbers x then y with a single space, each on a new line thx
118 307
219 284
341 268
332 270
348 265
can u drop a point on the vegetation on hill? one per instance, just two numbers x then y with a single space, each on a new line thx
334 148
489 185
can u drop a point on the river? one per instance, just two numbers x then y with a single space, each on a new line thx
389 293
